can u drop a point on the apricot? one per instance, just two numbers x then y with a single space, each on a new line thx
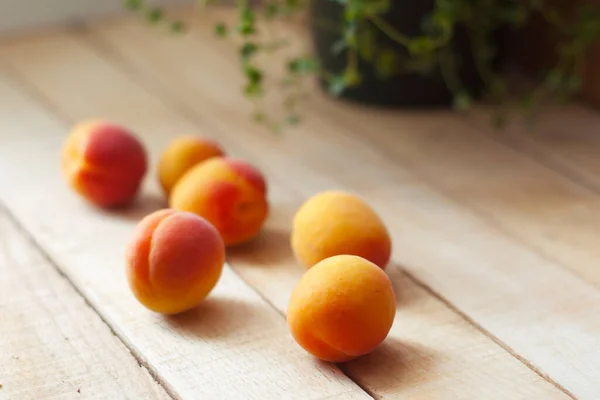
343 307
104 162
174 260
335 222
181 155
231 194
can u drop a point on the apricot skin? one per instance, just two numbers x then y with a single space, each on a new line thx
231 194
104 162
174 260
342 308
181 155
335 222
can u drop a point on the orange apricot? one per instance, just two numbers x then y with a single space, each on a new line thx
104 162
230 193
181 155
343 307
174 260
335 222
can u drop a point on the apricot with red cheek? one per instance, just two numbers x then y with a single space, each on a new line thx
104 162
174 260
230 193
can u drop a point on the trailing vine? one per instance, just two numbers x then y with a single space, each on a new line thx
431 52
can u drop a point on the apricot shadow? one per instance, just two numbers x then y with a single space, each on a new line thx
140 207
392 365
404 287
216 317
270 247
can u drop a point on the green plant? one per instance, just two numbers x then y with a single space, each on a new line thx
427 53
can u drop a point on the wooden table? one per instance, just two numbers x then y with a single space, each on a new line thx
496 260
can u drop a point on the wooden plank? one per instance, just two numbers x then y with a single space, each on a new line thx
54 346
549 213
563 138
431 353
233 346
488 275
556 163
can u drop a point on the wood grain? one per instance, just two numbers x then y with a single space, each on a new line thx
54 346
468 366
562 138
415 360
233 346
488 275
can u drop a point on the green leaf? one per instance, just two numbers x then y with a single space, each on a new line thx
253 89
133 5
246 25
386 63
498 87
154 15
352 77
350 33
462 101
376 7
259 116
573 84
289 6
421 45
221 29
253 74
554 80
248 49
177 26
303 65
354 10
366 44
440 21
527 101
271 10
293 120
337 85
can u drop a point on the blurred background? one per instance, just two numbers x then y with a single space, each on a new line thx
20 15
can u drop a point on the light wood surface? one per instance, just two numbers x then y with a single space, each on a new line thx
486 307
234 346
468 248
53 345
564 139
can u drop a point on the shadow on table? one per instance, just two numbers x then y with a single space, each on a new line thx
142 205
270 247
406 289
394 364
215 317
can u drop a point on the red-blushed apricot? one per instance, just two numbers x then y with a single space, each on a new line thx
104 162
230 193
343 307
181 155
335 222
174 260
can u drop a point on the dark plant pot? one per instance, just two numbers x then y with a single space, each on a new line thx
406 90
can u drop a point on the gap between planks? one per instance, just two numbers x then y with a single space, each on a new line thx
108 52
135 78
28 252
327 384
